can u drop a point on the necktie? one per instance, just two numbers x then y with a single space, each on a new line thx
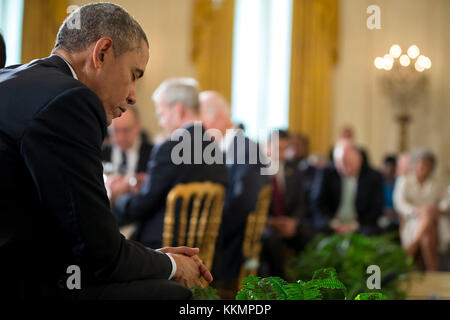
123 164
278 205
346 212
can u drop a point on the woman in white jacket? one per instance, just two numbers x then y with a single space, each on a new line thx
421 200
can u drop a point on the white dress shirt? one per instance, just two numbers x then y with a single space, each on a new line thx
132 155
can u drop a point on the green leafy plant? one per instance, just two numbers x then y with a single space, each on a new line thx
371 296
207 293
350 255
323 286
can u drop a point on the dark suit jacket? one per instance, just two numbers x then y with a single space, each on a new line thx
148 207
54 210
2 52
326 197
144 155
244 184
295 203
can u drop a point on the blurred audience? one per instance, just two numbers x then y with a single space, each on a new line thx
298 150
388 222
347 133
421 200
126 156
244 184
347 196
2 52
288 224
177 107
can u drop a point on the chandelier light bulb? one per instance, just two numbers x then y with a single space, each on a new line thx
422 61
404 60
419 67
413 51
427 63
395 51
388 62
379 63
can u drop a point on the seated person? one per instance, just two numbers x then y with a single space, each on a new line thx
2 52
421 201
298 148
288 228
403 164
125 158
177 107
348 195
298 155
389 220
129 150
245 181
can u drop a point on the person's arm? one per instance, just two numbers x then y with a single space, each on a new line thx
401 204
161 173
62 150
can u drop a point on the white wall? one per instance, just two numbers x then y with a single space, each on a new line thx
357 97
168 24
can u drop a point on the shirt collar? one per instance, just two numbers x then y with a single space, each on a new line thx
70 67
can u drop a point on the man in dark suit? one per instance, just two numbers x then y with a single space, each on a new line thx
126 157
2 52
129 150
177 107
347 196
245 181
288 224
58 237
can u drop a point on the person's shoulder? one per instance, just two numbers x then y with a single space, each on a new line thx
162 150
41 81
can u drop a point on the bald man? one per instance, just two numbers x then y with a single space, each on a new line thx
347 196
244 184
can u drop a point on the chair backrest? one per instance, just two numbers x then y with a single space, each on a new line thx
199 227
256 221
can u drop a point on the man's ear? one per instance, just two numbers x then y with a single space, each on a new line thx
102 50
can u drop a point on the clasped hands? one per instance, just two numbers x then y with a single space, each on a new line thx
344 228
119 185
190 268
285 227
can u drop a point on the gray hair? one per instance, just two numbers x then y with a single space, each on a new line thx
182 90
98 20
424 154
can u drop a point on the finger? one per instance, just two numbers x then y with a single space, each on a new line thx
206 273
203 269
181 250
187 251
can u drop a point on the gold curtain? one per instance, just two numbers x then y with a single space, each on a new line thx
314 54
41 22
212 50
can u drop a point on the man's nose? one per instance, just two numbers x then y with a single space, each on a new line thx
131 99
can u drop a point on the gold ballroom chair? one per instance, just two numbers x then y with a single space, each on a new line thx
199 226
256 222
